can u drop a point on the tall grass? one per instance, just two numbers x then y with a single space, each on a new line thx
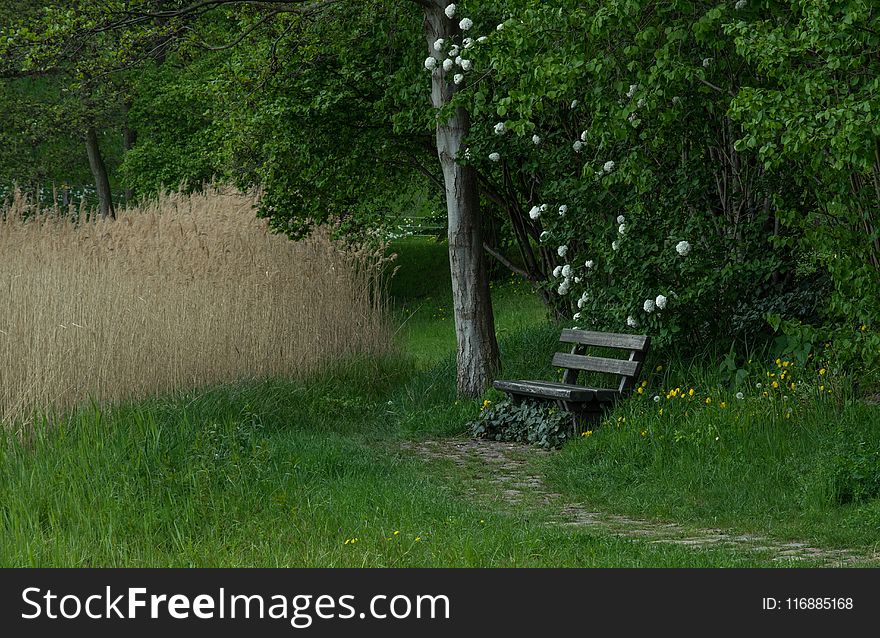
185 291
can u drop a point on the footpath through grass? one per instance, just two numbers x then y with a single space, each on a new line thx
283 473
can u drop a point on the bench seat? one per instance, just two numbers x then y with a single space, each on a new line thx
558 391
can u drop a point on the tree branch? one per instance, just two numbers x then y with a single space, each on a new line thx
501 258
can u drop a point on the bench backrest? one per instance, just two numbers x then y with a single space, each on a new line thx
577 360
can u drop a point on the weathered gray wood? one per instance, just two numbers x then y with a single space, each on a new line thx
595 364
599 394
638 357
605 339
531 388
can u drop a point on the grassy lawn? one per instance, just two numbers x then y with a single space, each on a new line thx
283 473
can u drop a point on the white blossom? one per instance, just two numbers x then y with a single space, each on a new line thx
566 271
557 271
482 39
631 322
466 65
499 27
632 90
500 128
608 166
683 248
447 64
707 61
621 229
450 10
562 210
535 212
438 44
467 43
641 102
758 385
648 306
588 263
573 104
632 116
583 136
741 4
675 99
467 153
430 63
660 302
564 287
458 60
615 245
562 250
578 146
740 395
576 316
544 236
536 139
656 398
458 79
621 219
465 24
543 208
453 52
494 157
577 280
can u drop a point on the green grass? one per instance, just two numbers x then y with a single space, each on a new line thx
422 294
272 474
283 473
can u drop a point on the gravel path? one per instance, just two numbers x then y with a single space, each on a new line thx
507 467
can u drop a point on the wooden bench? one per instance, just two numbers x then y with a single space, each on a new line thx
586 404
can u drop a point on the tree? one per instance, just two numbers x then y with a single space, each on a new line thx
477 347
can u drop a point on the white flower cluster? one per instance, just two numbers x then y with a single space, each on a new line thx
500 128
621 229
632 90
562 210
650 305
465 24
683 248
741 4
536 211
450 11
608 166
589 263
494 157
585 297
578 146
631 322
562 251
536 139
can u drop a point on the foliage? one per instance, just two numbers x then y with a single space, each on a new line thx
525 422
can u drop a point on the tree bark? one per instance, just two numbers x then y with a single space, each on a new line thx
99 172
477 357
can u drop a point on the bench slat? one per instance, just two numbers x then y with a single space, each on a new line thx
595 364
604 339
561 391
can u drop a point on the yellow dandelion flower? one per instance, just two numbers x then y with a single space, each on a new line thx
821 387
587 433
708 400
722 405
658 369
640 390
822 371
644 383
863 328
793 385
691 392
779 362
644 433
775 384
661 411
396 532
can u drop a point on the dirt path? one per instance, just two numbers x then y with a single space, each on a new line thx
507 467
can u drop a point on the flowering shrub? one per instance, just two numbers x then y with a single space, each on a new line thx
623 127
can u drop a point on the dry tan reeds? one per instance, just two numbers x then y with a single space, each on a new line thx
183 292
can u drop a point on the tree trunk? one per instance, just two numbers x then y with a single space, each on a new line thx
99 172
477 359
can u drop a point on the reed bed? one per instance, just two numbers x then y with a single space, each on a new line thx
183 292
